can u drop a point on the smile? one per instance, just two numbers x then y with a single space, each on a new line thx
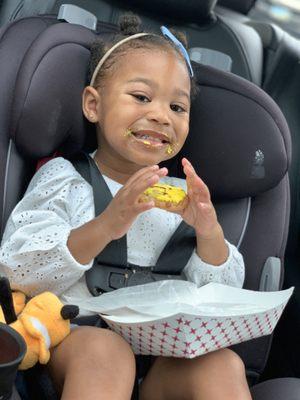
151 138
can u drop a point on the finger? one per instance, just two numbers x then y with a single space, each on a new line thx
138 187
141 172
185 162
188 164
196 184
190 177
201 190
188 169
143 206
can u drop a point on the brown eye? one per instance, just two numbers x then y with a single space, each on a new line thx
141 98
177 108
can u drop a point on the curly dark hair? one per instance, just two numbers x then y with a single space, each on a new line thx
129 25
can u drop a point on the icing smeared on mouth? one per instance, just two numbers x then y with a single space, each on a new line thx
128 132
155 140
169 150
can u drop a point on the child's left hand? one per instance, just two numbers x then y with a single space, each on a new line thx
199 212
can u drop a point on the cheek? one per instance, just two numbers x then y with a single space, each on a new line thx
184 129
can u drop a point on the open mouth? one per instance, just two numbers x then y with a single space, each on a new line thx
151 138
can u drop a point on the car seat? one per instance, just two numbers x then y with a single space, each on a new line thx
240 6
280 79
239 142
214 37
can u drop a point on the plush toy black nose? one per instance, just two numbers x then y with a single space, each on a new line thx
69 311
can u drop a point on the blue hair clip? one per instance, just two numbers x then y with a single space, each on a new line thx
165 31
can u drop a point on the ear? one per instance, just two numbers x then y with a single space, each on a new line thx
91 102
37 331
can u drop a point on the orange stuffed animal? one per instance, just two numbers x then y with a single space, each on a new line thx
43 322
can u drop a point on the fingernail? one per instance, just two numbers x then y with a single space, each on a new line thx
155 167
153 178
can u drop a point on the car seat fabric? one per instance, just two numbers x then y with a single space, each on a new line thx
239 142
277 389
14 44
281 81
241 6
17 45
205 25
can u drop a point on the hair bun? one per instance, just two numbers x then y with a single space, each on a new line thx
181 37
130 24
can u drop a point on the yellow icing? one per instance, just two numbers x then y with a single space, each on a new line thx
169 149
166 193
128 132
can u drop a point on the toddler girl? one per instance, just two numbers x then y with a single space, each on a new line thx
139 98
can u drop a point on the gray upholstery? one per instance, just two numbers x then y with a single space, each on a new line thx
277 389
281 82
241 6
205 27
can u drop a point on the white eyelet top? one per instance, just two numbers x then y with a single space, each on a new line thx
34 253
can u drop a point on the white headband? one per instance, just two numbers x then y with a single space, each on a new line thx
108 53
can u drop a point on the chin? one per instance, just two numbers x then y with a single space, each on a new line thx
147 161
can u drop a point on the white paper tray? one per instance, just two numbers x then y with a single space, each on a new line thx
186 321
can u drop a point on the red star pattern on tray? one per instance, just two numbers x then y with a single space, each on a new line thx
190 336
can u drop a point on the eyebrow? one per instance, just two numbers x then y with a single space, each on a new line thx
148 82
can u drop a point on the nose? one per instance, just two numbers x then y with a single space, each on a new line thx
160 114
69 311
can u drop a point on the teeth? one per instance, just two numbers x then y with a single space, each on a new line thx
146 137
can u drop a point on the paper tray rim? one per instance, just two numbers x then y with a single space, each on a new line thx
113 319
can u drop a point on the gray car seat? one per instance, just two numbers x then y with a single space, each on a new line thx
280 79
214 38
239 142
240 6
282 83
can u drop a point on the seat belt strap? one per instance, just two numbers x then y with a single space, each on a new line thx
115 253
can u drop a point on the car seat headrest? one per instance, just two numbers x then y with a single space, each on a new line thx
241 6
189 10
238 138
47 98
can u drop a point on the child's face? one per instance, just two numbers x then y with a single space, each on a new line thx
144 107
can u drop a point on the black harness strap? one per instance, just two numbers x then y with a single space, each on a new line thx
111 269
115 253
177 251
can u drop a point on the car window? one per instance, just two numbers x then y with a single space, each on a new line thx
284 13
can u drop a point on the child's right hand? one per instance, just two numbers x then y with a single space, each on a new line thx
125 206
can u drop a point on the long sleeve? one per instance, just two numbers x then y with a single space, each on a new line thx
34 253
231 273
